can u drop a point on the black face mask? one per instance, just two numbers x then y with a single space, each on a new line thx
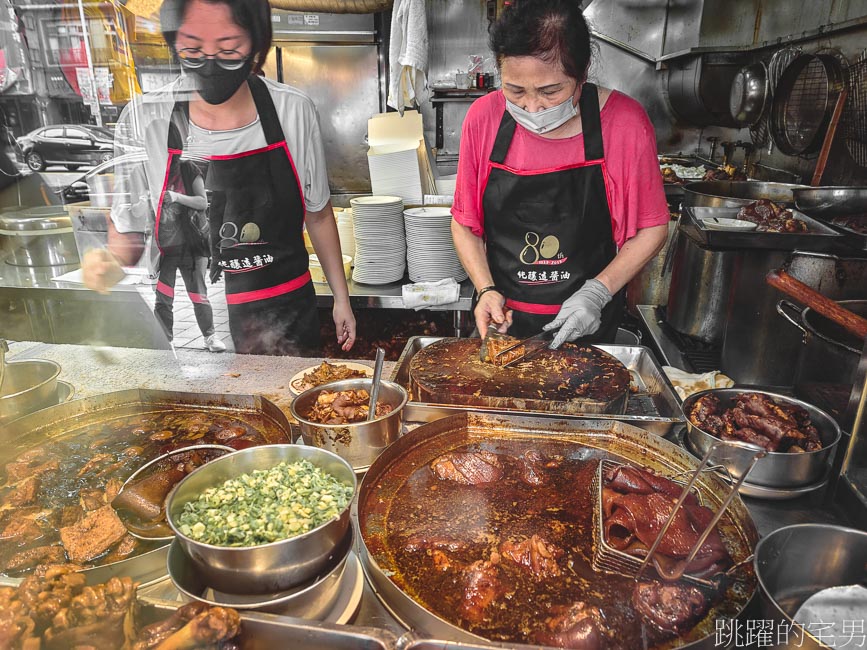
217 85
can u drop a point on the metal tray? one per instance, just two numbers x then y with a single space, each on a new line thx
851 238
262 631
57 421
653 406
821 237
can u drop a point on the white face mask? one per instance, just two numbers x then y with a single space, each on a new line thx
545 120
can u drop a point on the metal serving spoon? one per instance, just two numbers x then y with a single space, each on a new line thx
374 387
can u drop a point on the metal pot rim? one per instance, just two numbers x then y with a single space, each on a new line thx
53 377
344 384
246 549
691 399
757 553
807 311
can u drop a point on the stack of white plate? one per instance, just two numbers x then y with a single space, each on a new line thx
380 240
430 251
395 172
346 232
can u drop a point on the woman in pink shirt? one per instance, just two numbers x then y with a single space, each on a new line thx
559 200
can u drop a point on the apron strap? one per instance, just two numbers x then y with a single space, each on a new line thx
266 110
179 125
504 138
591 125
180 120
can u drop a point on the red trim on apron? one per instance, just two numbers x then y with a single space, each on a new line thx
549 170
270 292
198 298
165 289
172 152
297 178
533 308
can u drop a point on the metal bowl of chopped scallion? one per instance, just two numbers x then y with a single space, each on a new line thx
264 519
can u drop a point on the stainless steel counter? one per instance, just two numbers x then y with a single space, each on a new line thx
385 296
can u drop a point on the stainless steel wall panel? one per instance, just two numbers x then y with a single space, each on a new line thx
343 82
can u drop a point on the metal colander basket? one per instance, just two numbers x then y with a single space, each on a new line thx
608 559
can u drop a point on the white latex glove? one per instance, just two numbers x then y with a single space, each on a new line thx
581 314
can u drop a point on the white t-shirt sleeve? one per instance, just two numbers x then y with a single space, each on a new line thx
316 190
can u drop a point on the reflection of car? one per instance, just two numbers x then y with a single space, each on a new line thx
72 145
97 184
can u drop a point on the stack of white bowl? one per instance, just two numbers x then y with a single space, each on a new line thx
380 239
346 232
430 250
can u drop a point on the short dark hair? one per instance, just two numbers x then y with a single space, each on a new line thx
254 16
552 30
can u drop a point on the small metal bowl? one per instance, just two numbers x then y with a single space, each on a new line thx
358 442
777 469
311 600
794 562
267 568
28 385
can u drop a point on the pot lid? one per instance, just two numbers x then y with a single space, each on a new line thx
43 219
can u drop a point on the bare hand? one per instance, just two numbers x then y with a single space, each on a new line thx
168 197
344 321
491 308
100 270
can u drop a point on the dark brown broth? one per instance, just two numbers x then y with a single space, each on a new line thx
561 512
172 429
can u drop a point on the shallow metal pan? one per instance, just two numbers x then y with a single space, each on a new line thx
56 421
593 438
260 631
820 237
735 194
826 202
654 406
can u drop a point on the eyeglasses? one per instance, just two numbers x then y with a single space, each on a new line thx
193 58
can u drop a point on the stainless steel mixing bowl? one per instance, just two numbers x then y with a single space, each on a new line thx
267 568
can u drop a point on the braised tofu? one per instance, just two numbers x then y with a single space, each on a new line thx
93 535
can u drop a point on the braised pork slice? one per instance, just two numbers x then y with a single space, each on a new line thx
578 626
669 606
33 557
93 535
535 554
482 586
532 467
468 468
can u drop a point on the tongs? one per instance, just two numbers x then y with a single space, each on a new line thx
528 351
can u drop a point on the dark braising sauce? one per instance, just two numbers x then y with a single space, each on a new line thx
436 528
78 471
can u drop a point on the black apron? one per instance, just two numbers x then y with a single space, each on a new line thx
256 217
548 231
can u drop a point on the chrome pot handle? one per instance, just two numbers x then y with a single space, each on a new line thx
782 305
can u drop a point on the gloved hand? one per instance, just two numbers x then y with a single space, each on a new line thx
581 314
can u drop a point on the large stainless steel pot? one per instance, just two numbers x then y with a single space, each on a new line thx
38 237
756 350
777 469
734 194
829 355
651 285
701 282
593 439
795 562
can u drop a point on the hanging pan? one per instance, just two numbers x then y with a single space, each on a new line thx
803 102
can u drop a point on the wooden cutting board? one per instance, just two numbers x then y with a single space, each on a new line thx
573 379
